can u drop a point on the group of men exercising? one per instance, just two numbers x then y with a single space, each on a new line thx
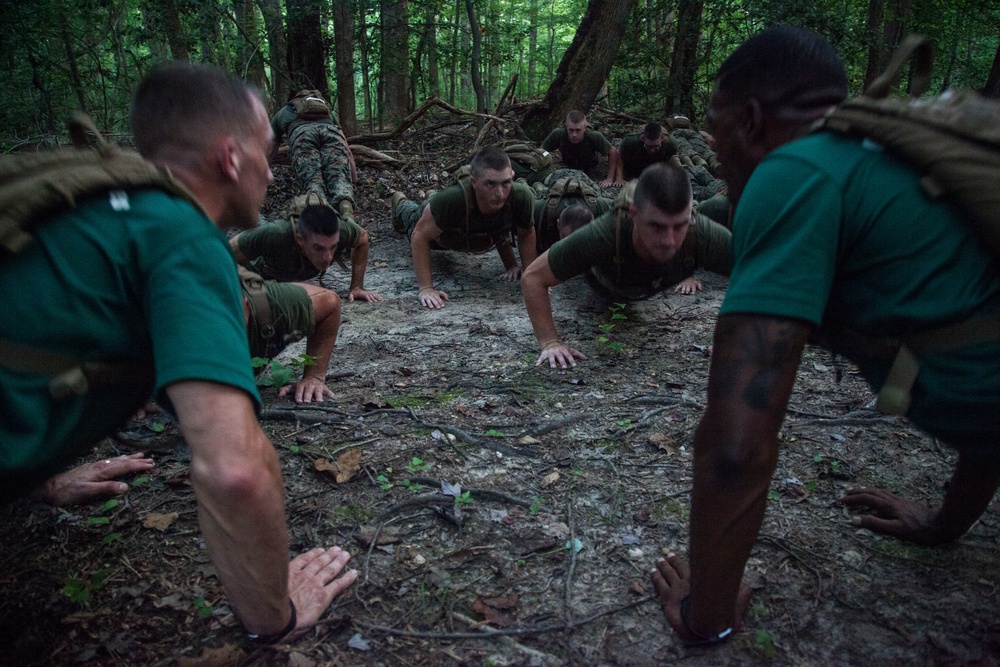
161 288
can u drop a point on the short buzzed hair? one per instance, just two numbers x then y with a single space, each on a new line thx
575 116
664 186
490 157
184 106
574 217
652 131
318 219
783 66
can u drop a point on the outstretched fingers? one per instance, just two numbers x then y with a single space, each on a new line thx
671 580
315 579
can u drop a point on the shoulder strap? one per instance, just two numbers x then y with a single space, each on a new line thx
253 287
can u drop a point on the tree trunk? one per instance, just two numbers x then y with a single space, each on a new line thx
532 46
433 75
584 67
274 25
250 61
680 83
395 60
74 69
992 87
365 62
306 50
171 25
454 51
209 36
892 31
477 49
343 39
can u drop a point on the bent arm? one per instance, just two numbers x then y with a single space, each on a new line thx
238 485
359 265
535 284
319 345
425 231
526 246
753 370
234 243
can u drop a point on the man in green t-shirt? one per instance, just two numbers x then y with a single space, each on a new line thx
834 240
638 151
579 148
471 216
305 246
657 244
161 302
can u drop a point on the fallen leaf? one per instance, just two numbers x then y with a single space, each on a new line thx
359 643
528 440
299 660
636 587
225 656
160 522
454 490
502 601
388 535
348 465
663 441
325 465
493 615
550 479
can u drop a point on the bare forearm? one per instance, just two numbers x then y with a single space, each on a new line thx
420 251
526 247
359 264
237 481
970 490
506 253
538 303
735 451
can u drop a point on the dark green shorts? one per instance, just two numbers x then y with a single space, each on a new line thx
292 319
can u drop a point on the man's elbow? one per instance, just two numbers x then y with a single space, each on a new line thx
242 479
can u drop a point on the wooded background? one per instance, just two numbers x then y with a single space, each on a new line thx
380 59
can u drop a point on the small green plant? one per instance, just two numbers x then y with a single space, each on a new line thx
157 427
111 537
384 483
493 433
279 374
764 643
139 481
81 589
617 313
463 499
625 424
536 505
104 509
417 465
203 608
773 495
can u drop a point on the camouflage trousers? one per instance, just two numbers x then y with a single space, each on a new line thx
319 157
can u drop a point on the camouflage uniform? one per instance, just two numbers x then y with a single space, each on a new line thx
318 151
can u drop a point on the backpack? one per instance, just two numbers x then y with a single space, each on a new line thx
310 105
527 161
38 186
954 141
546 229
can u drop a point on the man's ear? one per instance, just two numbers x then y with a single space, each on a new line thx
227 158
632 211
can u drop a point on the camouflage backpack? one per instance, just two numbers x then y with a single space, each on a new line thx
954 141
39 186
546 229
310 105
528 162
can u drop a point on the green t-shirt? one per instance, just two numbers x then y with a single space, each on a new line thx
451 214
833 231
593 247
272 252
149 276
577 156
635 157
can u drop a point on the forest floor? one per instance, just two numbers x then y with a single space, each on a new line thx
506 514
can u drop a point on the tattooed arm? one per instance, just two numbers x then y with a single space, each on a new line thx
753 369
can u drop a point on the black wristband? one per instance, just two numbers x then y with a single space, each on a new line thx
281 634
700 639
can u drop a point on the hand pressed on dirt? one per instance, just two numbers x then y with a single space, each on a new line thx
896 516
688 286
672 581
307 390
558 354
511 275
432 298
314 582
92 481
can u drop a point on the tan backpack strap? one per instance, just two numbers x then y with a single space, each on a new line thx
70 377
253 286
914 45
894 397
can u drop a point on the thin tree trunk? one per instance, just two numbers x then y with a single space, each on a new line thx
179 47
992 86
680 84
306 47
343 39
395 60
532 46
365 69
477 49
454 51
433 75
74 69
274 25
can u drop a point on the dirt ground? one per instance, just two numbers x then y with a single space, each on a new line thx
506 514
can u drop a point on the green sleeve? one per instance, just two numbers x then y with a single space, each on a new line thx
522 202
591 245
714 246
599 142
254 243
350 234
448 208
554 139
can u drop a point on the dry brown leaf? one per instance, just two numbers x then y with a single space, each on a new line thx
325 465
348 465
637 587
550 479
528 440
508 601
225 656
159 522
664 442
492 615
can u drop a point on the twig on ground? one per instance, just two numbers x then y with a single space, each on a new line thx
545 658
568 587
